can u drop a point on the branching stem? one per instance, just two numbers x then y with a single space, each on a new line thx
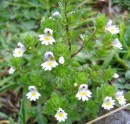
74 54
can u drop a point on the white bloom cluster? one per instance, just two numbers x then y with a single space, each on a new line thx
108 103
120 97
116 43
47 38
112 29
18 52
33 93
61 115
83 92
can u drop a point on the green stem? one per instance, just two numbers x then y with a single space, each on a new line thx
67 28
92 36
121 62
47 2
109 58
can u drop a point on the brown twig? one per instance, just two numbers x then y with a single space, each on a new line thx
112 112
74 54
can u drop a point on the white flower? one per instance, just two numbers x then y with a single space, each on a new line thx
11 70
18 52
117 44
120 97
48 31
49 55
56 14
33 93
115 75
47 38
121 100
48 65
113 29
83 92
61 115
20 45
61 60
31 88
108 103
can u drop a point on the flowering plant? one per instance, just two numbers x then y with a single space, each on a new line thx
68 83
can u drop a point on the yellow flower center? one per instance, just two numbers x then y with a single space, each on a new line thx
51 58
120 99
112 29
60 114
19 52
108 103
49 63
83 93
49 34
33 94
47 38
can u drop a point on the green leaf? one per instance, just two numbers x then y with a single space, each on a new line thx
6 116
29 42
81 77
17 62
127 36
11 121
21 118
127 86
121 80
40 118
100 22
91 109
53 104
119 86
108 74
24 109
103 91
127 75
74 115
68 121
127 96
9 86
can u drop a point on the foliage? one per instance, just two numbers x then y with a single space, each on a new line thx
91 63
123 4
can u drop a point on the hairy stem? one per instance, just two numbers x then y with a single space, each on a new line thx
67 28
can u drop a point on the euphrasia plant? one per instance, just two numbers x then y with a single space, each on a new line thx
68 83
